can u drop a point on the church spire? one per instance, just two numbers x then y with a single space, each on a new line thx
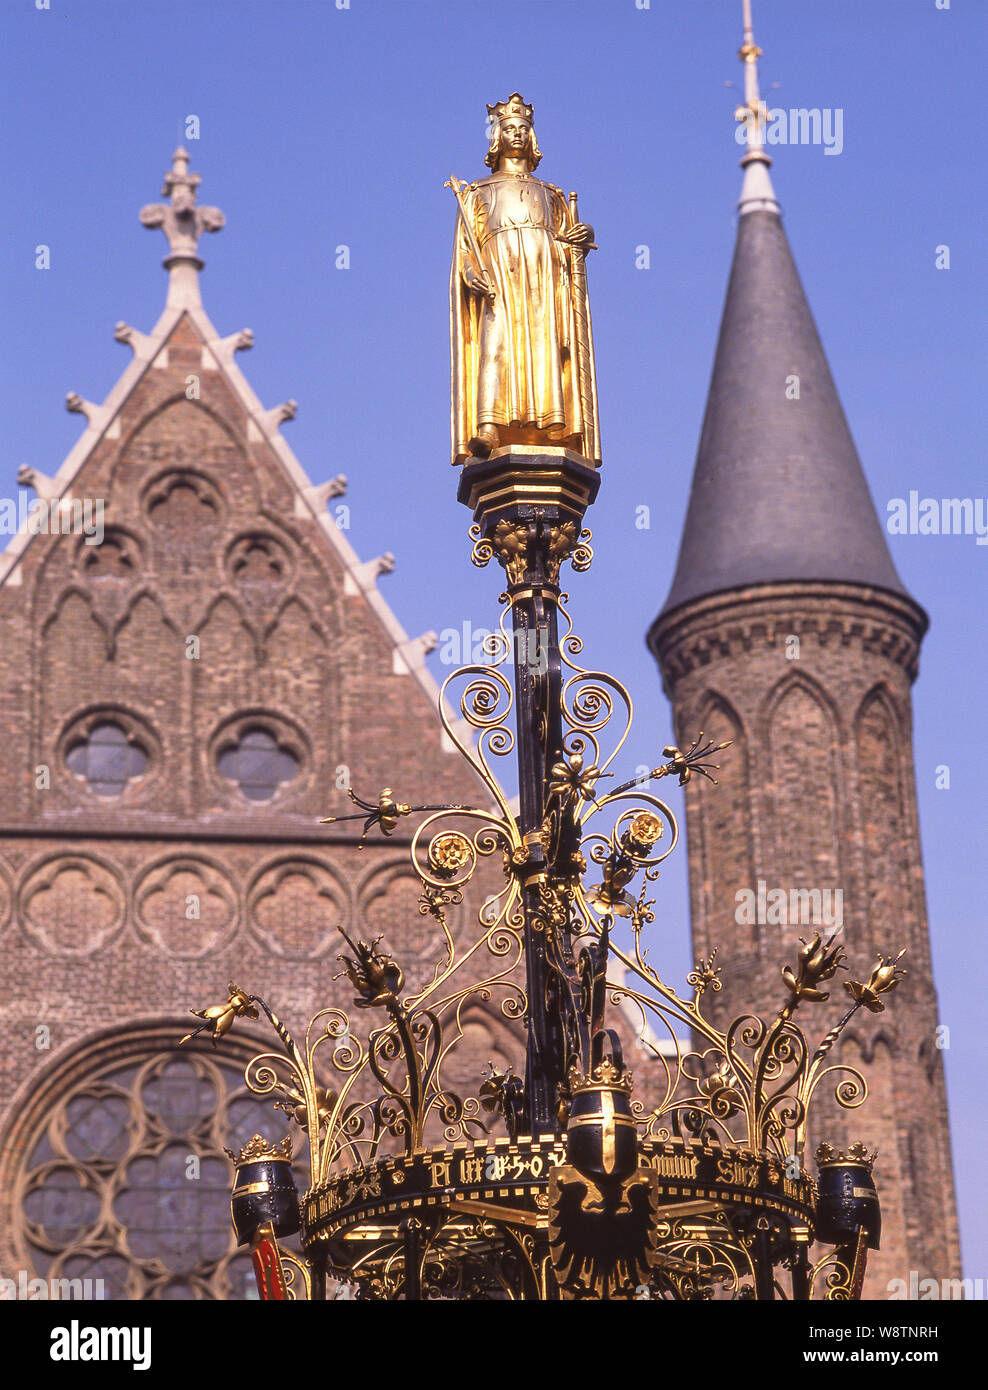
778 491
182 222
757 193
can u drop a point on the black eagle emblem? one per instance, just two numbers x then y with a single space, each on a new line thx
602 1239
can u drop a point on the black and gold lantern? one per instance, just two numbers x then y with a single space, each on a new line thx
602 1138
264 1190
848 1201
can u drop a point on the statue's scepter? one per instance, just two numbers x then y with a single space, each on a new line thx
454 183
584 356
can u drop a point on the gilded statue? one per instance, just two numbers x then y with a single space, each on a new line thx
522 348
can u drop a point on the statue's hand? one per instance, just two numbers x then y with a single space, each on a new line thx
475 281
579 235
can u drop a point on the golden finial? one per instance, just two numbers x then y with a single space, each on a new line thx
818 961
751 108
757 194
884 977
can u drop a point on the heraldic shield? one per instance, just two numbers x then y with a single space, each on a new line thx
602 1204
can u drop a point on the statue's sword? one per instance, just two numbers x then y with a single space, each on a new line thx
457 187
584 356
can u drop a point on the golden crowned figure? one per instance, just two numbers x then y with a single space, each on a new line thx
522 349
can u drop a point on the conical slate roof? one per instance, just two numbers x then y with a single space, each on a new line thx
778 491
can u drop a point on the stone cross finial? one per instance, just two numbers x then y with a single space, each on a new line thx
182 222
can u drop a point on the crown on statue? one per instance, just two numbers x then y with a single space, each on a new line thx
514 106
258 1148
828 1157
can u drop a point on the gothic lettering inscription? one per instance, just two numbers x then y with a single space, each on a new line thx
672 1165
439 1172
732 1170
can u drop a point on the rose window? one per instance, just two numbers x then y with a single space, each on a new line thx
126 1182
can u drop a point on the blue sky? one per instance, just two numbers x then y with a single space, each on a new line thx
320 127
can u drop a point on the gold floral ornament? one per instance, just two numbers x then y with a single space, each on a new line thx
817 962
295 1106
677 764
218 1019
376 976
643 913
511 548
570 780
503 1093
610 896
705 975
682 765
434 901
639 836
449 853
554 905
387 813
642 833
884 977
723 1090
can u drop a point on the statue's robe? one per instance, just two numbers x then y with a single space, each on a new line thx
517 362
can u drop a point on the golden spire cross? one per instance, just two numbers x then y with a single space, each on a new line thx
752 110
757 194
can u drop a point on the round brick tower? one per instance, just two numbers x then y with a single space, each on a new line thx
788 630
